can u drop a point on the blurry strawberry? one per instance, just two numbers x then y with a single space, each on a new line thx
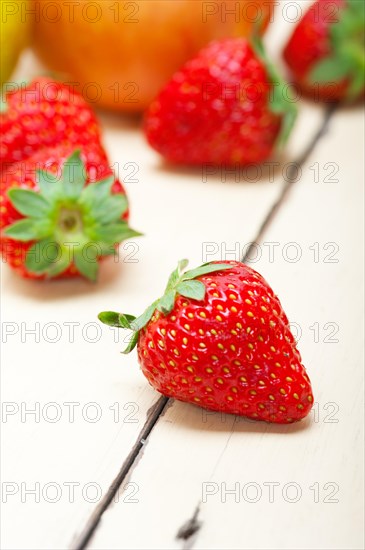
219 338
326 53
225 106
41 114
62 211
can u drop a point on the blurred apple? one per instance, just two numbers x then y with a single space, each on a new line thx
14 33
119 54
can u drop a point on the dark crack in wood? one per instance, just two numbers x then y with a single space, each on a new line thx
189 529
155 412
291 179
192 526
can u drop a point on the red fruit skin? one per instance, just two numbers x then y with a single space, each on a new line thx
22 174
233 352
215 109
309 44
44 114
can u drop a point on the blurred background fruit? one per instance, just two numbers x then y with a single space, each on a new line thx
224 107
122 53
14 34
326 52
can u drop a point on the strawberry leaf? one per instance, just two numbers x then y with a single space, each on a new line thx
114 319
29 203
204 270
182 264
357 6
192 289
166 303
279 102
73 176
49 185
106 249
112 234
110 209
143 319
42 255
356 86
88 267
62 263
175 275
110 318
96 192
125 320
132 343
28 229
327 70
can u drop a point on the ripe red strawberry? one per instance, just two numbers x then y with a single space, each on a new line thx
41 114
62 211
326 50
219 338
225 106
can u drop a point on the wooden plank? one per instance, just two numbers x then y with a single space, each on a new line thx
83 372
177 211
297 486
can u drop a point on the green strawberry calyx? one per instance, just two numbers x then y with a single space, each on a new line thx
279 99
347 58
69 222
180 282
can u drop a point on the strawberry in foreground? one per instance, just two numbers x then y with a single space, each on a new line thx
226 106
62 211
41 114
326 53
219 338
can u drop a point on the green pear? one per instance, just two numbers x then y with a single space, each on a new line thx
14 34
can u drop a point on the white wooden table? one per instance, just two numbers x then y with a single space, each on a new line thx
103 461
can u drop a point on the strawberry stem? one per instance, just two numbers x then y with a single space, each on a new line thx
279 104
182 283
68 221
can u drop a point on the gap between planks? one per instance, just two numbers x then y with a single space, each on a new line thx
189 529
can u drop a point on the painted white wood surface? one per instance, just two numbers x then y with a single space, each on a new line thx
178 212
195 456
171 207
84 372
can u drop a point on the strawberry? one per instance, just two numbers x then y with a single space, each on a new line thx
225 106
41 114
326 50
219 338
62 210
